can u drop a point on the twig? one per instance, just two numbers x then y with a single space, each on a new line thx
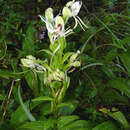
5 110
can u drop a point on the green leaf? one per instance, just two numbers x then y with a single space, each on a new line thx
46 51
125 58
64 120
19 116
90 65
2 97
107 125
66 108
78 125
118 115
72 123
32 80
121 84
28 43
42 98
38 125
94 32
66 56
111 95
108 71
8 74
5 126
45 108
111 54
120 118
54 46
29 115
116 41
64 104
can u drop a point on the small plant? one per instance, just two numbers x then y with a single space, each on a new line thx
56 68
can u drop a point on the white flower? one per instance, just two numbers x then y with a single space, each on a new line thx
74 7
71 10
31 62
55 26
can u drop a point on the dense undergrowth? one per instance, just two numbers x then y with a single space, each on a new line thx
98 96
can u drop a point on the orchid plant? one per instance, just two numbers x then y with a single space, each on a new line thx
56 68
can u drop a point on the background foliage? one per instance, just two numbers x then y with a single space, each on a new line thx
99 94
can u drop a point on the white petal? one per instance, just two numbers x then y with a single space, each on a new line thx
76 7
59 20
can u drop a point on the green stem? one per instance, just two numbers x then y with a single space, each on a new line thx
61 50
54 103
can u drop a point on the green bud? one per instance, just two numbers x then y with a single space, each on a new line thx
49 14
30 57
74 56
66 12
70 3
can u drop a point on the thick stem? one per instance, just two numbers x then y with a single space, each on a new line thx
54 103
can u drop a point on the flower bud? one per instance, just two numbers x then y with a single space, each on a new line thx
49 14
70 3
30 57
66 13
74 56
